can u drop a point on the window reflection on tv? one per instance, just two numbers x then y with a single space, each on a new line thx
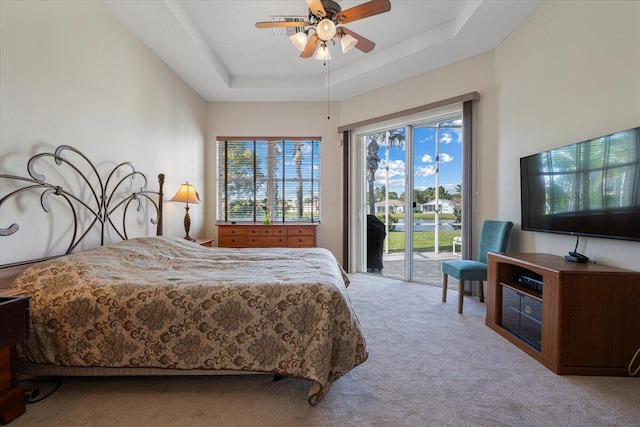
591 188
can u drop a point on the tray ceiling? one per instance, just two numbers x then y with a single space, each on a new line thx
216 48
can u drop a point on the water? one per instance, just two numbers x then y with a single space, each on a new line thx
426 225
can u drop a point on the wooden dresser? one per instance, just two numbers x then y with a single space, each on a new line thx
257 235
14 327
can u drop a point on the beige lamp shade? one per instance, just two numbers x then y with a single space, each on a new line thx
326 29
348 42
323 53
186 194
299 40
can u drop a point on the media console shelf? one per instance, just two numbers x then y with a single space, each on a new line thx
584 322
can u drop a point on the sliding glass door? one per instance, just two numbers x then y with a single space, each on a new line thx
385 200
437 196
412 197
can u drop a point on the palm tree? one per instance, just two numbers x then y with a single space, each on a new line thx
393 138
443 193
299 157
372 166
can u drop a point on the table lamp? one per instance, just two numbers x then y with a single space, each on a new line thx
187 194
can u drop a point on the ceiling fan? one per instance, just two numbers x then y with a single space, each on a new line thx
325 21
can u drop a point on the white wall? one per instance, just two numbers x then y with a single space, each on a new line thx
247 119
71 73
569 73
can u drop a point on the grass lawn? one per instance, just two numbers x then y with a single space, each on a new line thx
423 241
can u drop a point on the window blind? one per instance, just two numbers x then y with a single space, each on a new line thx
278 178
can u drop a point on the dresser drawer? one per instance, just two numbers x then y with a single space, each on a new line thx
232 241
14 327
231 231
266 242
301 241
14 318
253 231
5 370
273 231
301 231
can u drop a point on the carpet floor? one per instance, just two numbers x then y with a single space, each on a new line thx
428 366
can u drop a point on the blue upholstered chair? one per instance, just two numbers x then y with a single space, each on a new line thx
494 238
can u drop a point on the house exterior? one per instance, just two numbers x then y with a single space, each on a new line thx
121 102
446 206
395 206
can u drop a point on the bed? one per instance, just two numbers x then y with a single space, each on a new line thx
166 306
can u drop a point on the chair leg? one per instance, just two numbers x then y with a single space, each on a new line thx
460 296
445 278
481 291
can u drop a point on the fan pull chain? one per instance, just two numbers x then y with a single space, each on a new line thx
328 90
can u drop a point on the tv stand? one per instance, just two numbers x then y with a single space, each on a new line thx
588 313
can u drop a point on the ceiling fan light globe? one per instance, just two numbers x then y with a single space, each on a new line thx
323 53
299 40
326 30
348 42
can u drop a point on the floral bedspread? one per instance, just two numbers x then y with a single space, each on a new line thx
163 302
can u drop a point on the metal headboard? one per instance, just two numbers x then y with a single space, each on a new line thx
99 203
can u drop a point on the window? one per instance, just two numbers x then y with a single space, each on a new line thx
279 178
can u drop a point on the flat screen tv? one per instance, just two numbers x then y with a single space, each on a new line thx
590 188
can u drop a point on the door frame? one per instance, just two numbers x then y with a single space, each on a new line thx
354 227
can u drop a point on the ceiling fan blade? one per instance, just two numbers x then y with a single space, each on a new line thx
316 8
272 24
311 47
363 44
373 7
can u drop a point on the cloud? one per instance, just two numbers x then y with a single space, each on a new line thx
396 183
446 158
426 159
396 168
427 139
451 188
426 170
446 138
453 135
306 148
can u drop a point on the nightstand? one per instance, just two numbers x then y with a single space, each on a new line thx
205 242
14 321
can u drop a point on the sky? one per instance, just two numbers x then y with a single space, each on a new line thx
424 161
